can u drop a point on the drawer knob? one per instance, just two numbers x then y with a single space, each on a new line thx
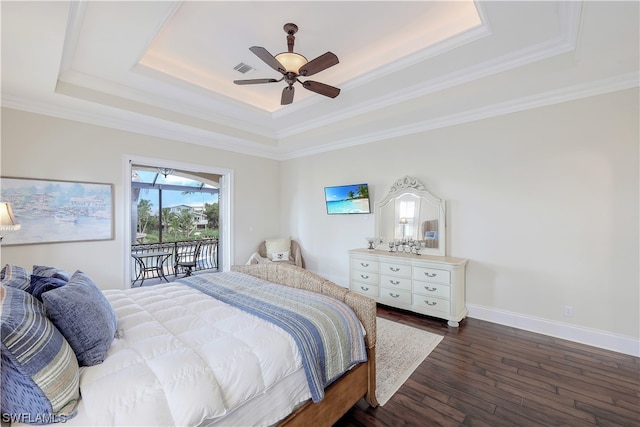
394 269
430 274
394 282
364 276
430 289
430 303
363 288
394 295
364 264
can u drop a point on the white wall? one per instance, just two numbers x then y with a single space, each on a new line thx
35 146
544 204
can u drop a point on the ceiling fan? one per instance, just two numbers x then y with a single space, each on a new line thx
293 65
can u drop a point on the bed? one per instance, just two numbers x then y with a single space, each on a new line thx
184 358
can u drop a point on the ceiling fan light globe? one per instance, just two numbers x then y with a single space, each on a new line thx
291 61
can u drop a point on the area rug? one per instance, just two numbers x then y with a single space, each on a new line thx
400 349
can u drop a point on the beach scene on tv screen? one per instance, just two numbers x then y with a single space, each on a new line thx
347 199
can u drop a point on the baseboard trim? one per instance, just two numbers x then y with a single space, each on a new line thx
593 337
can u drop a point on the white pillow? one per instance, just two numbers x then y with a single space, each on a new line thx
280 256
274 246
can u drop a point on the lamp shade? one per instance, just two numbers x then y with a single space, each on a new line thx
291 61
7 219
403 221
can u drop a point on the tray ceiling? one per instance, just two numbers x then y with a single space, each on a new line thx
167 68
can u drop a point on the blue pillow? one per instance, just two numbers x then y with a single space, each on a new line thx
15 276
46 271
40 285
39 378
84 316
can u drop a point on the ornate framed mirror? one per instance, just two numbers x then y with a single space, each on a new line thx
409 211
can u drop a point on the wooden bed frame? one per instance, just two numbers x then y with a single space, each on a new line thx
359 382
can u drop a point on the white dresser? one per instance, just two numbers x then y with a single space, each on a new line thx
431 285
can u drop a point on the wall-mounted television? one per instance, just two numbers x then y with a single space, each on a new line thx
347 199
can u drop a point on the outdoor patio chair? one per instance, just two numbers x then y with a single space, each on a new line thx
186 257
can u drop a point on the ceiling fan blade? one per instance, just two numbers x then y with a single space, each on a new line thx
322 62
269 59
321 88
255 81
287 95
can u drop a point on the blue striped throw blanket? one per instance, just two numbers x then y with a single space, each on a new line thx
327 331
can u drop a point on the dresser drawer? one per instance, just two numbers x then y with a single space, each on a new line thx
393 282
364 277
362 288
395 296
432 289
364 265
431 275
424 303
395 269
430 285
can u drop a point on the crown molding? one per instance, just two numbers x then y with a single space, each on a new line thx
532 54
137 123
494 66
145 125
614 84
168 122
168 130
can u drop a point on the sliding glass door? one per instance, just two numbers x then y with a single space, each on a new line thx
172 205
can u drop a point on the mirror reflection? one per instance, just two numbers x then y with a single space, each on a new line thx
411 214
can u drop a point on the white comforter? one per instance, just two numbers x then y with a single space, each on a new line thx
182 358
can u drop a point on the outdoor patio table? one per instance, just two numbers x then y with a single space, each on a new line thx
150 262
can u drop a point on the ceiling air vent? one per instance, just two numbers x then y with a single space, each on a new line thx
243 68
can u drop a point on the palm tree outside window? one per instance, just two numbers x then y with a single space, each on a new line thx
178 206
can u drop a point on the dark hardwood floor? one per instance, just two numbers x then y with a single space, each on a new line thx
484 374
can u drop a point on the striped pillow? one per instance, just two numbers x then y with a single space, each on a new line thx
39 371
15 276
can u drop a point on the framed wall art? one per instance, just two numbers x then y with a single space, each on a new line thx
51 211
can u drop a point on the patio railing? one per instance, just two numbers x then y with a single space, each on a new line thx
207 259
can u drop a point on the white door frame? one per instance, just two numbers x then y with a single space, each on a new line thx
225 200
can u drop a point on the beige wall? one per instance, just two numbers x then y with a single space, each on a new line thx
544 204
35 146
